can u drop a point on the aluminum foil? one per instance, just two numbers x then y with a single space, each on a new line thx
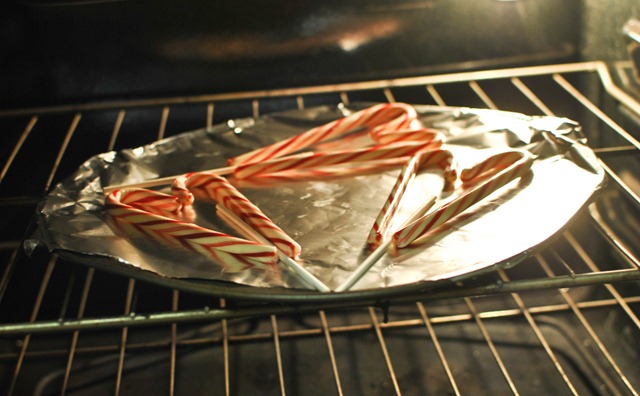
331 218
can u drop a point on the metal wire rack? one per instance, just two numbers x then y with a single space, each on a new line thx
566 319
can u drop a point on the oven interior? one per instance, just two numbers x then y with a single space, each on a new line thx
563 321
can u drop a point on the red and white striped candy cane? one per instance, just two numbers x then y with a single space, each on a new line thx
426 135
131 213
150 201
331 172
326 159
521 162
442 159
210 186
490 166
382 117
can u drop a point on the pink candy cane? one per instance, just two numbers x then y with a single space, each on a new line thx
131 213
326 159
210 186
442 159
520 165
388 117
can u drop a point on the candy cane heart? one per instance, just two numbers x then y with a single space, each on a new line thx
131 214
442 159
209 186
383 117
497 171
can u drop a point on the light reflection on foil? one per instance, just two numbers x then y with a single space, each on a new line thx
332 218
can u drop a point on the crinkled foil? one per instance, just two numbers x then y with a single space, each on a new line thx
331 218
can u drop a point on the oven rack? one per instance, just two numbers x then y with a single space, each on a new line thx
559 272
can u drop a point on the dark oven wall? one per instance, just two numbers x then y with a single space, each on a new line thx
76 50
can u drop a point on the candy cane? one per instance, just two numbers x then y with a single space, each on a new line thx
209 186
442 159
332 173
408 135
382 117
490 166
128 215
325 159
521 162
150 201
381 122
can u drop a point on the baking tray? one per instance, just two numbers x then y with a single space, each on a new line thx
501 232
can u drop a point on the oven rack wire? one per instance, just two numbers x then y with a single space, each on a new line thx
561 273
